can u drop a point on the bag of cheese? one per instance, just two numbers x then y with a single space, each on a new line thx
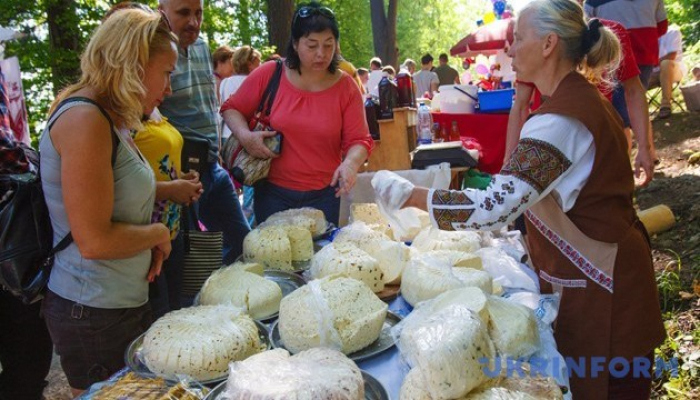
448 344
425 277
334 312
513 328
314 374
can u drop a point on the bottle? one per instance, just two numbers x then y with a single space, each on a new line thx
404 84
454 134
437 133
388 94
425 123
371 115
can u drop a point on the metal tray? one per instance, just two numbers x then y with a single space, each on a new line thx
374 390
287 281
383 343
133 358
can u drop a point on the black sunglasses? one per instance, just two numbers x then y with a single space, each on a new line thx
308 11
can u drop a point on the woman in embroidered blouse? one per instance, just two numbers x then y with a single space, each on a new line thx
571 175
98 290
319 112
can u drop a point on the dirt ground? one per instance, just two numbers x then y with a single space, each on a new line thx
676 255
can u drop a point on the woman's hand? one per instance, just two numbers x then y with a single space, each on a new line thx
253 142
159 254
643 162
188 189
344 178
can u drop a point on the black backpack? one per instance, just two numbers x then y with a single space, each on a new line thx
26 235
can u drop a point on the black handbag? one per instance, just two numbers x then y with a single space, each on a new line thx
203 253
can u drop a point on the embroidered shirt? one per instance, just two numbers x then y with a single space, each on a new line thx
555 154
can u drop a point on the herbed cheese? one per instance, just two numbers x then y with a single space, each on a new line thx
513 328
368 213
242 285
200 342
308 217
347 260
515 388
338 309
446 347
314 374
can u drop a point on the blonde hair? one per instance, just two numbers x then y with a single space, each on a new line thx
242 56
596 59
114 62
222 55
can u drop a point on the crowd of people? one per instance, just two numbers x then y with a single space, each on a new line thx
114 179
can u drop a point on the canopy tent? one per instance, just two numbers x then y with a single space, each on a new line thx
486 40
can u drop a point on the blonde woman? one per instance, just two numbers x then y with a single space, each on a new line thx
570 175
245 60
97 295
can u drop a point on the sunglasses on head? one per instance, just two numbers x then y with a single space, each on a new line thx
308 11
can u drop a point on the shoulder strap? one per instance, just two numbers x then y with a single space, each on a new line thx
59 110
68 239
271 90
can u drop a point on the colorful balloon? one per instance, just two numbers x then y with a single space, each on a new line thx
489 17
499 7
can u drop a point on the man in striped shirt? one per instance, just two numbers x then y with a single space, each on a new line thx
193 109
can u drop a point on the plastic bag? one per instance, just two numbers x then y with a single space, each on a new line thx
506 271
448 343
314 374
136 387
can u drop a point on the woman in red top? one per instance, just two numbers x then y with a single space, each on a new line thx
319 112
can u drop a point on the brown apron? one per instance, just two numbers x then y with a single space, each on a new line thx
597 255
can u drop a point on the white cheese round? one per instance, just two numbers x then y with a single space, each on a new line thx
200 342
513 328
436 239
269 246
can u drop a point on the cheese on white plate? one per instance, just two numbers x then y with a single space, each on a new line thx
335 311
242 285
513 328
313 374
200 342
435 239
347 260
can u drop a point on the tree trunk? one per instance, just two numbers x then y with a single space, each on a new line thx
384 31
279 20
64 42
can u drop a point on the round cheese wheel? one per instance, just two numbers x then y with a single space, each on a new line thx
513 328
200 342
269 246
436 239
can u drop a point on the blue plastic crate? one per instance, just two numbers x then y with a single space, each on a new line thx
496 100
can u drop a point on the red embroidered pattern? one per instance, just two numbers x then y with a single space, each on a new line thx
572 283
446 217
576 258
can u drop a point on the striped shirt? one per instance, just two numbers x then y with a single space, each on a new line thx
192 108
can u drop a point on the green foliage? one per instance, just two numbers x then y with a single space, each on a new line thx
670 284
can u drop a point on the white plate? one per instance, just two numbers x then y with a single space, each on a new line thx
382 344
133 358
287 281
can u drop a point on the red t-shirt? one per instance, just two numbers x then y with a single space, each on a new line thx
318 128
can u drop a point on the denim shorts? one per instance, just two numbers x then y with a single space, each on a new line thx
91 341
